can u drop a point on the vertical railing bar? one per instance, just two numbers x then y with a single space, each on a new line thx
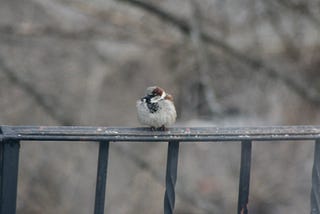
315 187
244 180
101 177
171 176
9 166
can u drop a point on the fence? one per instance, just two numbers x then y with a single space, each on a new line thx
12 136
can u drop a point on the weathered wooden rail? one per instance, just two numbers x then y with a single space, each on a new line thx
12 136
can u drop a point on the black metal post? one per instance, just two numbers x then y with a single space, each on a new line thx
101 177
9 164
244 181
171 176
315 189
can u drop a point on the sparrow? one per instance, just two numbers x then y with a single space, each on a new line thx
156 109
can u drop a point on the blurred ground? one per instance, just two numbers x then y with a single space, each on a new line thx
227 63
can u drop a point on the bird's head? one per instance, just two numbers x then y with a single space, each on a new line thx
154 94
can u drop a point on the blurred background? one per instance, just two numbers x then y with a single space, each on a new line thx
226 62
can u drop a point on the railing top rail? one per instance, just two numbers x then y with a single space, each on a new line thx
85 133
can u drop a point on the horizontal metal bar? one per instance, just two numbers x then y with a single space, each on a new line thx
82 133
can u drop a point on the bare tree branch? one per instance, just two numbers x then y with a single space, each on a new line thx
203 63
294 83
254 22
275 21
43 101
302 8
31 30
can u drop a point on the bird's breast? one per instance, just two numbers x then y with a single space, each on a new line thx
153 107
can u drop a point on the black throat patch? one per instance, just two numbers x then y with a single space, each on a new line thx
153 107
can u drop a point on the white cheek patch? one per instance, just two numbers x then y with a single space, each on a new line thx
163 95
157 98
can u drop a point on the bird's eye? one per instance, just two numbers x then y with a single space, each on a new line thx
156 93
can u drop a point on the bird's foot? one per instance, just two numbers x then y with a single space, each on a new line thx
162 128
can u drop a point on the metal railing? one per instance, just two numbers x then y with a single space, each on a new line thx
11 136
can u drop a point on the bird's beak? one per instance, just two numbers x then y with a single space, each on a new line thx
144 99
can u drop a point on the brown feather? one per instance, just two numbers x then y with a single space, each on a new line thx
169 97
158 91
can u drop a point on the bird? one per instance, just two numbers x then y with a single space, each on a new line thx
156 109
